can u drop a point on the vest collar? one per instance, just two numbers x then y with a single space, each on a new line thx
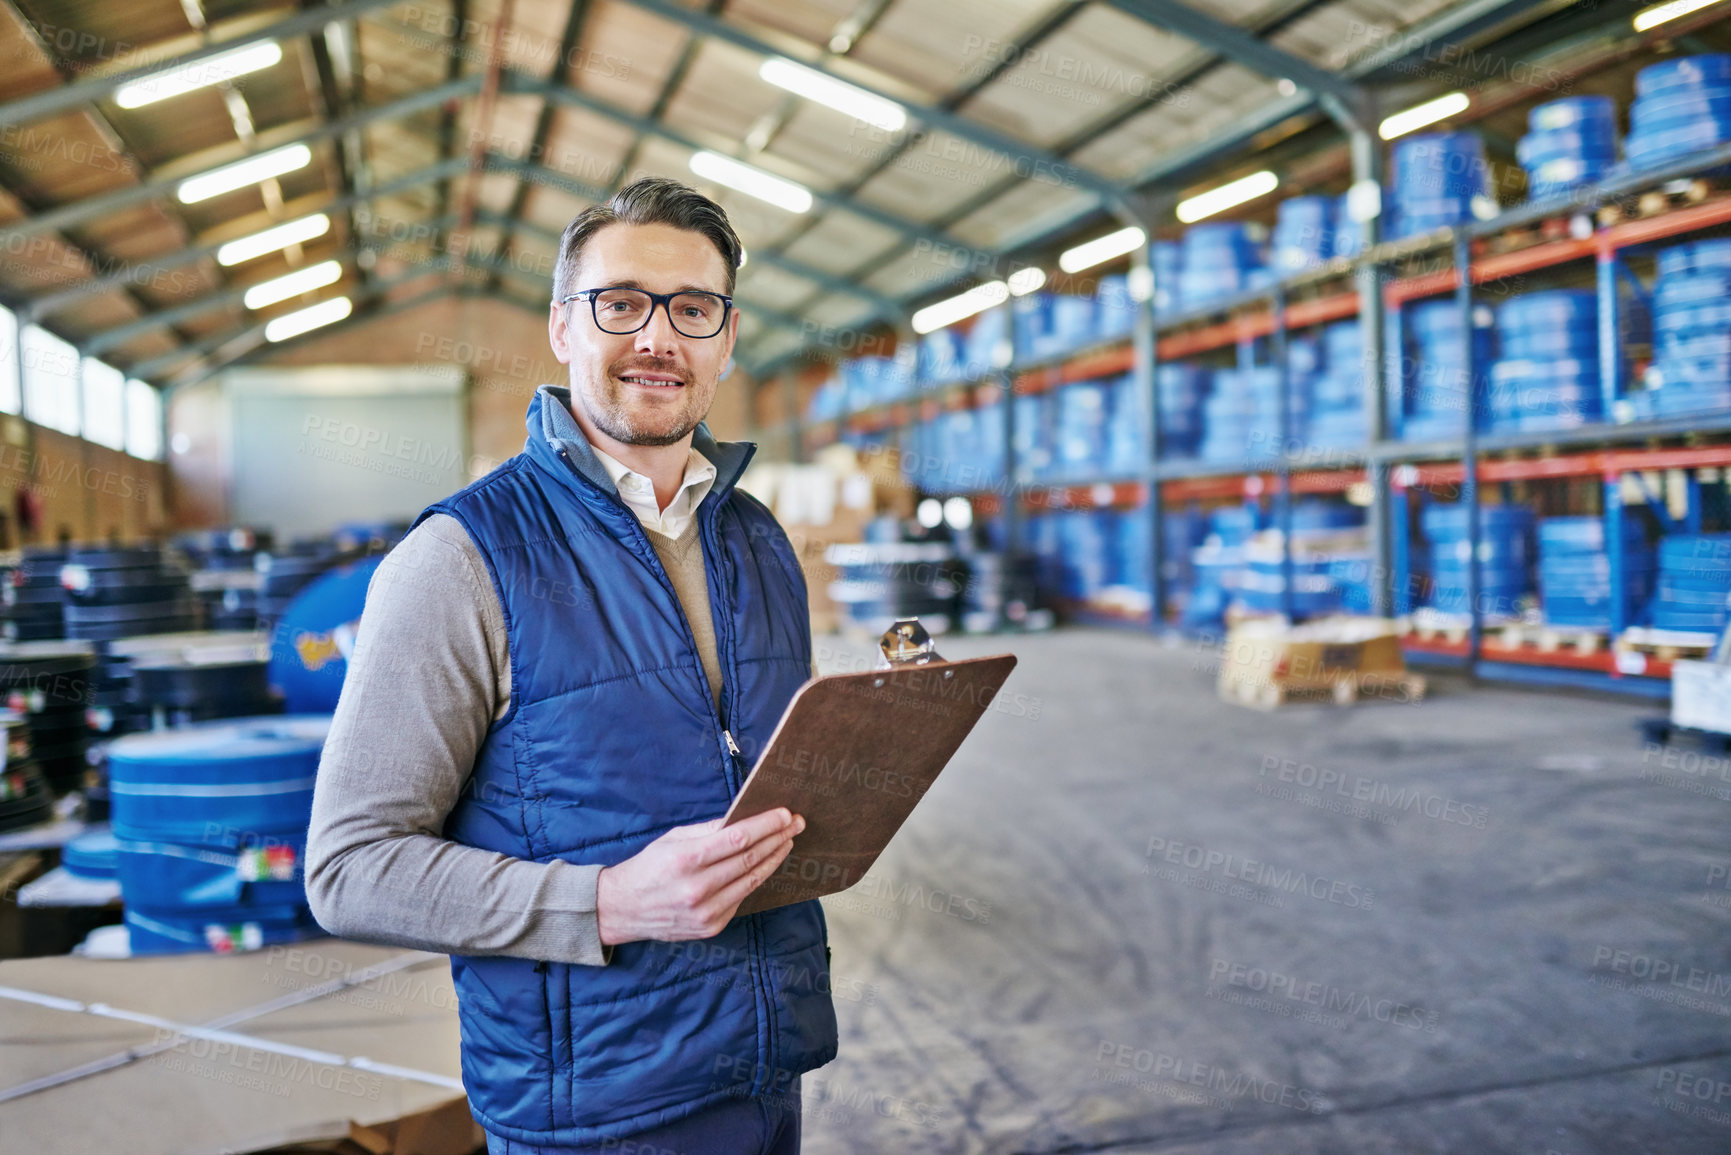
552 429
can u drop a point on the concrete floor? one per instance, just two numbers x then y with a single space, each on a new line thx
1131 918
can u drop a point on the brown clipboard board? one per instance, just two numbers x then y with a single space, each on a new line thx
854 754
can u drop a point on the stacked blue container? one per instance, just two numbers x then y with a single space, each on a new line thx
1337 419
1575 572
1573 142
1681 106
1114 308
1436 377
1303 235
1504 558
1438 177
1547 376
1182 388
1081 433
940 358
1130 564
1168 261
982 348
210 825
1126 428
1048 324
1035 422
1219 260
1694 592
1218 565
1084 552
1317 566
1691 370
1242 415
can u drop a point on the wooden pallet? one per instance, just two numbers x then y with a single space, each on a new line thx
1347 690
1557 228
1665 645
1655 202
1546 638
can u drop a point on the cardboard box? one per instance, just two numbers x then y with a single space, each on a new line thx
1314 655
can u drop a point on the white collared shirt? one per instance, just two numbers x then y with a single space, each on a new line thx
639 492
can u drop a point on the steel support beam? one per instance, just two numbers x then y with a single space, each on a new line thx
103 204
40 104
1238 44
145 271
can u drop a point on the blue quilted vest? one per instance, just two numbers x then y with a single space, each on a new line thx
612 738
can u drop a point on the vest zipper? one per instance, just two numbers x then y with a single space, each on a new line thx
732 747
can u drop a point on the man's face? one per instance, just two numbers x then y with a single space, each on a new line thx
653 386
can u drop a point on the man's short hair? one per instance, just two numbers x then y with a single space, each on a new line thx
654 200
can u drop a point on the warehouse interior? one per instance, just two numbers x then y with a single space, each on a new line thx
1327 403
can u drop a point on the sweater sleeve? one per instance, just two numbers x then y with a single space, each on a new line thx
429 674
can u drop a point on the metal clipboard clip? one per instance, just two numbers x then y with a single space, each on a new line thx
906 643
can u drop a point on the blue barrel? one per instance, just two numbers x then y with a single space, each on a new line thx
1303 234
245 775
92 855
1681 106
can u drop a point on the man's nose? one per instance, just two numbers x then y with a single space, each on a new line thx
659 336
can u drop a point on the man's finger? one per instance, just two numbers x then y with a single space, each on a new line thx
736 891
730 840
721 873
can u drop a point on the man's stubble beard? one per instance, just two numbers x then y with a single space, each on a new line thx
605 406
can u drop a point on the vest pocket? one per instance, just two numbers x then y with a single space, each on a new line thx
555 994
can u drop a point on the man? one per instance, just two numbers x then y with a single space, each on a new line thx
561 679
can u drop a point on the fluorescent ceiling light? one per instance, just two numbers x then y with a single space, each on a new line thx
975 300
293 285
1658 14
751 181
211 70
1220 199
1420 115
241 173
1100 249
1024 281
826 90
274 238
308 319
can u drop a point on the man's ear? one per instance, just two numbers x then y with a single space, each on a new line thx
731 334
558 333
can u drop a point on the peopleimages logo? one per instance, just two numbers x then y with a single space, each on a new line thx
1377 793
1192 856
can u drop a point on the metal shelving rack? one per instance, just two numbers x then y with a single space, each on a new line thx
1396 470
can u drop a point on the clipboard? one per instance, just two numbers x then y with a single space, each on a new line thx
854 754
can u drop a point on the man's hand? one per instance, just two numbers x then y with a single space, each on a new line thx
687 883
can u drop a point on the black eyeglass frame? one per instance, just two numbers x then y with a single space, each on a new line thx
665 300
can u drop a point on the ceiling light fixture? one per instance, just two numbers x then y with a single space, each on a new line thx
242 173
948 312
222 67
1101 249
293 284
307 319
1024 281
1218 200
751 181
1420 115
273 239
1661 13
821 88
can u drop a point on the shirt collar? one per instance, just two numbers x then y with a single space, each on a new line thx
699 471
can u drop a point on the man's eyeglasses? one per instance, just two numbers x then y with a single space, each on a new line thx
621 311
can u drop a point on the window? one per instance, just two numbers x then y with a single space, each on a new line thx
104 404
143 421
50 380
8 362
